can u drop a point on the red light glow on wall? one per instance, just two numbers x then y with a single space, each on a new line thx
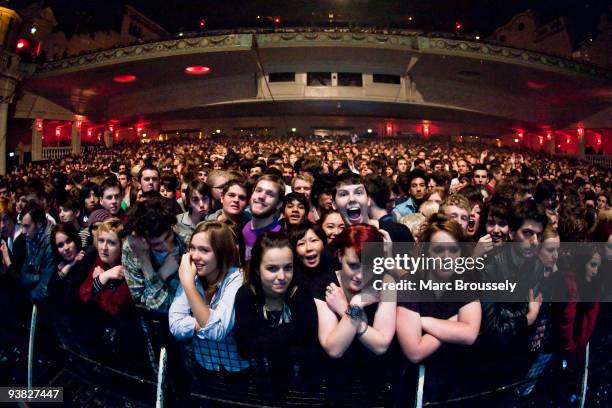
123 79
580 131
39 125
548 135
89 132
568 140
389 128
541 140
58 131
197 70
426 129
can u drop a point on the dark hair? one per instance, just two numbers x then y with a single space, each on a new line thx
36 211
526 210
417 173
379 189
109 182
473 194
151 218
70 231
264 242
348 178
70 203
235 182
170 182
200 187
480 166
300 198
147 166
545 190
298 232
86 191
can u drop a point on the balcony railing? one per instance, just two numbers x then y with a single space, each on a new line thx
51 153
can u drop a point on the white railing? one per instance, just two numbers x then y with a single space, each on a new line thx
602 161
50 153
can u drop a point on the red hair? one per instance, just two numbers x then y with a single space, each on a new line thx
354 236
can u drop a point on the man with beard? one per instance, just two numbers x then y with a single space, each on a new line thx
266 200
417 187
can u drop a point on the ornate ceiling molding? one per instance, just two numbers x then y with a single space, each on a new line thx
401 41
523 57
221 43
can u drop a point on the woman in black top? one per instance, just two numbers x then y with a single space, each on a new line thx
73 265
356 327
436 326
276 319
315 267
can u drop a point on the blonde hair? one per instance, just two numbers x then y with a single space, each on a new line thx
304 176
112 224
456 200
414 222
429 208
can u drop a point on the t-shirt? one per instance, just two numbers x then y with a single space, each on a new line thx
250 235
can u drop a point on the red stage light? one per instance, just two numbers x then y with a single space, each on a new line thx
458 25
21 44
122 79
277 20
197 70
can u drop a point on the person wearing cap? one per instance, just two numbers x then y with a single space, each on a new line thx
96 218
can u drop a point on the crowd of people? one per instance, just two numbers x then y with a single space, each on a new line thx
250 253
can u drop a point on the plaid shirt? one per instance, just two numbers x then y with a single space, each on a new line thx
214 344
152 291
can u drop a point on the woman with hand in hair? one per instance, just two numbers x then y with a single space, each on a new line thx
203 307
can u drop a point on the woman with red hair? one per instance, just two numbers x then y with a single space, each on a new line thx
355 327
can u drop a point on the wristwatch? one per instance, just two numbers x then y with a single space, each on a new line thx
354 312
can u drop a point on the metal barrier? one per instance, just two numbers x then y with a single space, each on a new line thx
254 398
50 153
31 345
418 402
161 378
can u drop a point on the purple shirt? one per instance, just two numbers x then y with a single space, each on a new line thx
250 235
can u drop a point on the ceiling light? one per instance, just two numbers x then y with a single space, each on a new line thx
122 79
197 70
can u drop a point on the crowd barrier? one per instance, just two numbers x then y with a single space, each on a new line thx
161 375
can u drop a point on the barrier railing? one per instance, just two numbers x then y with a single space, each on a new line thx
50 153
602 161
296 397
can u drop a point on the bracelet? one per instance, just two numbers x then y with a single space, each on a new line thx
361 333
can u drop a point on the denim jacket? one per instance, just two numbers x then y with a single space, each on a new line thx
39 265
